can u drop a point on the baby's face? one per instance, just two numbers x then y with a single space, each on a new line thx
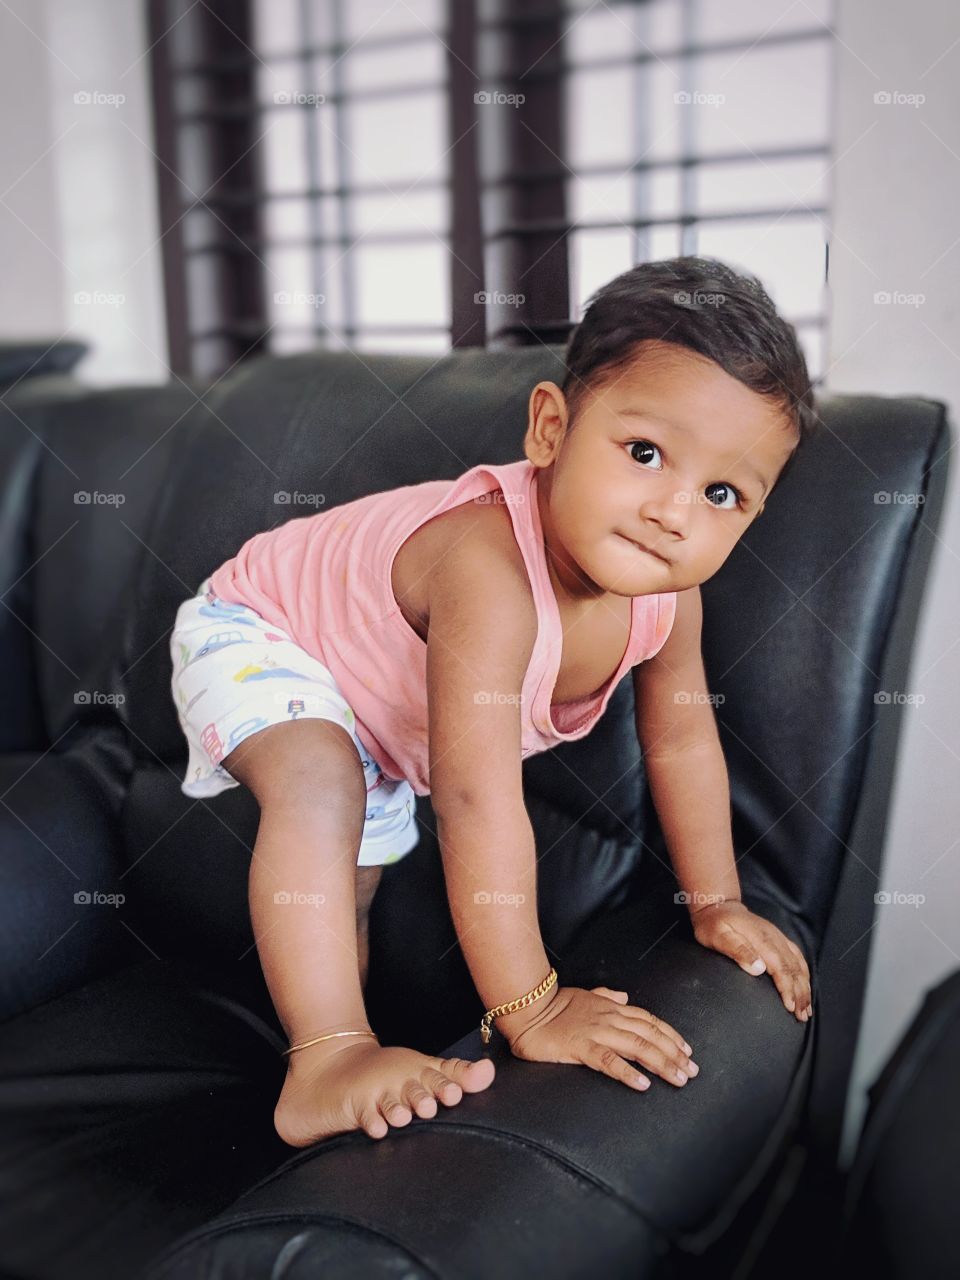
671 452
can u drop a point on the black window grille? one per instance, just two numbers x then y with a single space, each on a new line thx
438 173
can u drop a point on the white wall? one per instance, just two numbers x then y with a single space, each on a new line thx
79 212
896 195
31 302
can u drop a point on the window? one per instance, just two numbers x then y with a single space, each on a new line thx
304 159
686 128
428 173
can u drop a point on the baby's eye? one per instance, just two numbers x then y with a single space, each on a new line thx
730 493
646 446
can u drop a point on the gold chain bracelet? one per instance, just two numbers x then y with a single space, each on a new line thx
513 1005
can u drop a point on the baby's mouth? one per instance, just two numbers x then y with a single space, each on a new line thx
654 555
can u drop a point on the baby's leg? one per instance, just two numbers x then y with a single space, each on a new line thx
308 780
368 878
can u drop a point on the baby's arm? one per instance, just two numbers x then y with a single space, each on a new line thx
687 776
483 625
686 773
482 630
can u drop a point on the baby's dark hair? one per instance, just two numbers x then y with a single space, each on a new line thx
706 306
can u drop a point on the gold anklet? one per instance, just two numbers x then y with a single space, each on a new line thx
307 1043
514 1005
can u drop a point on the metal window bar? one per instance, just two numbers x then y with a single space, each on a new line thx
222 53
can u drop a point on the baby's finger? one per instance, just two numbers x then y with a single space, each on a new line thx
785 971
621 997
609 1063
747 955
655 1051
648 1019
799 957
805 999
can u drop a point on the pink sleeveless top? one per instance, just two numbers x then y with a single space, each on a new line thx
325 579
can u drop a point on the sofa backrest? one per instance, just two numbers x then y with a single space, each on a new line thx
80 469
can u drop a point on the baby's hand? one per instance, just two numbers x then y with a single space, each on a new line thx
758 947
599 1029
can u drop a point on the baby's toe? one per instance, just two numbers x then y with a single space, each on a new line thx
471 1076
393 1111
372 1123
442 1087
419 1100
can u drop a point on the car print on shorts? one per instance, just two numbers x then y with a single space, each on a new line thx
241 614
219 640
211 743
303 702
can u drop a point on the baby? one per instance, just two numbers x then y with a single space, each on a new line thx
426 639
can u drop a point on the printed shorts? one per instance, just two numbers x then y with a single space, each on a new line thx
234 674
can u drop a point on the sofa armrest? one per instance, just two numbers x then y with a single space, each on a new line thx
555 1169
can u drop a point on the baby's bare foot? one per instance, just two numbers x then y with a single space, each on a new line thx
366 1086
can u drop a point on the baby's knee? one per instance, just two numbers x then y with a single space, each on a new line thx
309 761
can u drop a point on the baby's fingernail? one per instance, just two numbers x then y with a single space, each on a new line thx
791 1004
686 1048
757 966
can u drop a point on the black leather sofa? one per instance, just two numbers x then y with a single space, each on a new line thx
900 1196
140 1057
49 363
